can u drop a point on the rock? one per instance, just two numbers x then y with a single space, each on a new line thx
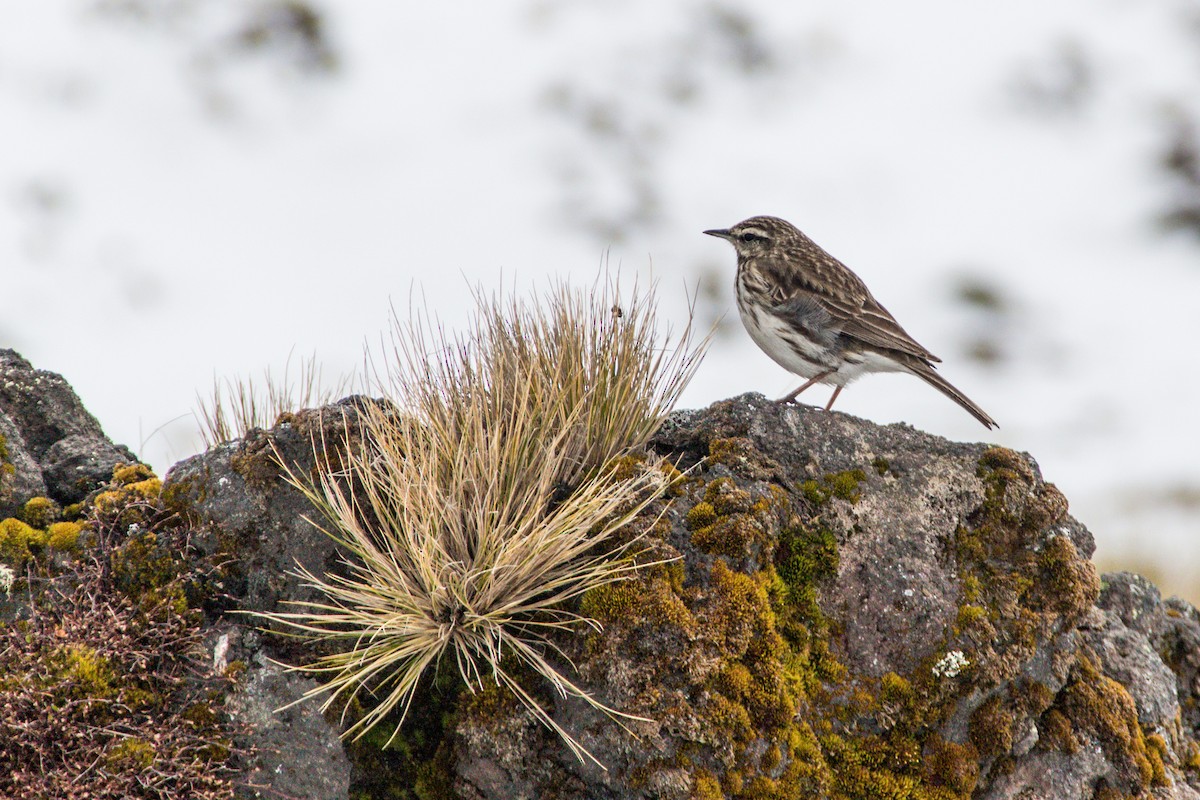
55 447
295 753
936 634
240 497
854 610
248 516
20 476
839 609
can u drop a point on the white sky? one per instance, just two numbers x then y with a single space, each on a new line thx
173 208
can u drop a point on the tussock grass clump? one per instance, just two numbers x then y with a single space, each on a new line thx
238 405
484 498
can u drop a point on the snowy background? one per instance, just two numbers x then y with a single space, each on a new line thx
193 189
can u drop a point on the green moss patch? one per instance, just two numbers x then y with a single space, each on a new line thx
103 685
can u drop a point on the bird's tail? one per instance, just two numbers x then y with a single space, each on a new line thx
927 373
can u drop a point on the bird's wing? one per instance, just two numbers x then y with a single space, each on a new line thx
853 311
873 325
806 311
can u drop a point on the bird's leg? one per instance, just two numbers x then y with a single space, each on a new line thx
833 397
815 379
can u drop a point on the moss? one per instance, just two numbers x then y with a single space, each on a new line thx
1057 733
435 778
649 596
115 681
1033 697
177 496
19 543
894 688
972 590
86 671
740 603
128 474
1019 579
968 615
40 512
705 786
1192 762
775 714
1066 582
131 753
200 715
733 522
733 536
844 485
418 761
64 536
807 554
991 727
954 766
881 465
700 515
841 485
1156 750
627 467
1099 706
256 461
742 456
6 467
147 570
235 670
148 489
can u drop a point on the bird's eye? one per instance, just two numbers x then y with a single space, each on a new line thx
750 237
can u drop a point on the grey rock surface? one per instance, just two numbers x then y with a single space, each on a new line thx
54 445
295 753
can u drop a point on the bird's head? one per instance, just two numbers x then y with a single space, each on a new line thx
757 236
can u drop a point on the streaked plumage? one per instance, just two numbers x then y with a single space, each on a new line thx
816 318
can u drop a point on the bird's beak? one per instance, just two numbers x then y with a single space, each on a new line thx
720 233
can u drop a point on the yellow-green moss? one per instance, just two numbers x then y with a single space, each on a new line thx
235 670
627 467
705 786
651 595
1192 762
146 570
807 554
64 536
87 672
881 465
954 766
730 521
842 485
1156 749
991 727
972 590
129 474
1067 582
742 455
19 542
40 512
700 515
1098 705
968 615
6 467
131 753
1057 733
1018 580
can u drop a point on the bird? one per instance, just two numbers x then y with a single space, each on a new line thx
815 318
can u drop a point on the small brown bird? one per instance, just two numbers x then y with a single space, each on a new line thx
816 318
